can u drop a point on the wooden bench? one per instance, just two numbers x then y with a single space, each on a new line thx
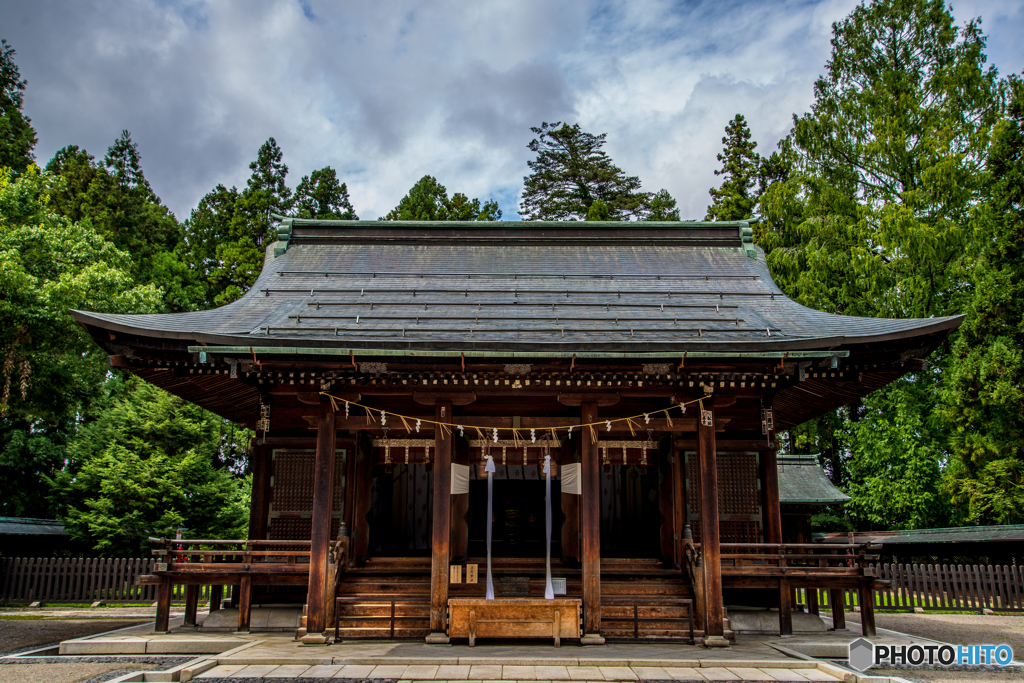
514 618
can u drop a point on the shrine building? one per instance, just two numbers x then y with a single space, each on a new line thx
404 378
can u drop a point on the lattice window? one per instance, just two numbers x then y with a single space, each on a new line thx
291 498
290 528
296 529
293 481
738 532
738 495
737 484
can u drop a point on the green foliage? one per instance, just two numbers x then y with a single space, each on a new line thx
598 211
984 397
896 448
733 201
571 172
866 209
428 200
886 167
17 137
227 234
662 207
115 199
51 369
147 465
320 195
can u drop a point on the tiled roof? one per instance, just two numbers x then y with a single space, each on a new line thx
672 287
801 480
31 526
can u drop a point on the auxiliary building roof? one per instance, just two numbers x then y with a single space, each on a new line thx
517 286
802 481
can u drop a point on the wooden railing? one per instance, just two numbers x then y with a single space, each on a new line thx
953 588
243 552
806 555
25 580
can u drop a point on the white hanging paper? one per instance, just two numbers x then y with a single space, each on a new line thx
460 479
571 479
549 591
490 469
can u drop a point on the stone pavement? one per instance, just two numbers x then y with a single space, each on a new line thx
741 671
278 655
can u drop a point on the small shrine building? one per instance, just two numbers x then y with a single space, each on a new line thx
646 366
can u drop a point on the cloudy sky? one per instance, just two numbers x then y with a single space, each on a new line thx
388 91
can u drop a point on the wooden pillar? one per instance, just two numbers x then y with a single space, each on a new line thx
812 601
320 538
191 604
460 507
244 604
679 502
441 537
590 521
363 486
163 605
714 627
666 504
837 596
772 511
867 609
260 503
350 490
216 595
785 608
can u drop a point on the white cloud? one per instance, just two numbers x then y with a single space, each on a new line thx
387 92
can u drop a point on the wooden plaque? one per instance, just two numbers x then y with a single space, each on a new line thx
456 573
471 573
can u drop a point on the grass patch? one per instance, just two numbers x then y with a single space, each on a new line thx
22 617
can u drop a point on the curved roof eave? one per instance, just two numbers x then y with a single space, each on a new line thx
912 328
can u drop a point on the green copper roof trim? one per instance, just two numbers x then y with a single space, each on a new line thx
314 351
287 223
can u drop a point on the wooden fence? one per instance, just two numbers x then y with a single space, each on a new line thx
79 580
957 588
952 588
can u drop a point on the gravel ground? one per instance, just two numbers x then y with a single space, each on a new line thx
67 672
94 669
21 634
960 629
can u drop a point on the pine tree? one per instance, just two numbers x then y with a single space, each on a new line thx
240 252
984 396
116 199
662 207
320 195
570 173
17 137
734 201
148 463
428 200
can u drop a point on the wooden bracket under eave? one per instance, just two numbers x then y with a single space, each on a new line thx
429 398
118 361
602 400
